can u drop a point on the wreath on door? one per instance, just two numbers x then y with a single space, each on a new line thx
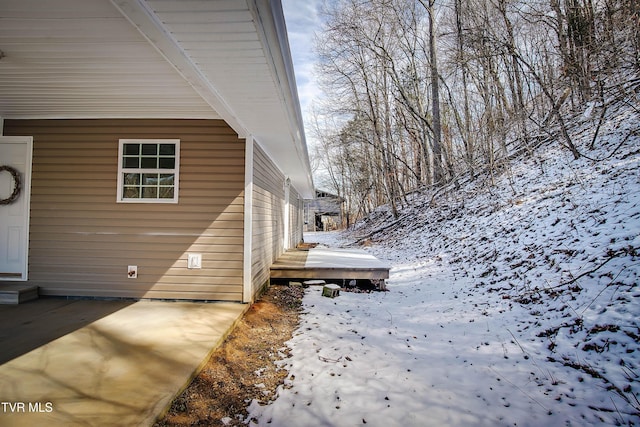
16 185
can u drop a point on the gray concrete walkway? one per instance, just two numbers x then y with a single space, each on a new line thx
103 363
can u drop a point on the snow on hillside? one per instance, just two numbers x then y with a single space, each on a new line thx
514 304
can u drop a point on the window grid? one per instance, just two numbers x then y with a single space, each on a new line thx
148 171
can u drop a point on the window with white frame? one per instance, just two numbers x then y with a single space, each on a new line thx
148 170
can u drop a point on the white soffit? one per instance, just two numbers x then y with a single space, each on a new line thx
82 59
209 59
236 54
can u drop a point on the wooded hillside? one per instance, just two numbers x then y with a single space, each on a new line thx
430 93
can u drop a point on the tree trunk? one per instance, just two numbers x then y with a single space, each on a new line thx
466 129
438 169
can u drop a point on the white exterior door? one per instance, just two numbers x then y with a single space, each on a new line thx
15 151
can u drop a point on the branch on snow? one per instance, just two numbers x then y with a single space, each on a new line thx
611 254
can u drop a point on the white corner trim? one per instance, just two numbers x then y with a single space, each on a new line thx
247 273
287 213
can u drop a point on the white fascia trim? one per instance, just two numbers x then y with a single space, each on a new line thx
247 272
138 13
273 33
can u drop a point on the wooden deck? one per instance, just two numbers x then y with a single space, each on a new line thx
322 263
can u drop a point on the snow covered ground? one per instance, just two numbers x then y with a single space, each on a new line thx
514 304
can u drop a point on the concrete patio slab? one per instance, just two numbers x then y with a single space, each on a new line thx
103 363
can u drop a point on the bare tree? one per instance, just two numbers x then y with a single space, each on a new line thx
426 91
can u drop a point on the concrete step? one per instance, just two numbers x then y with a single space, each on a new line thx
17 294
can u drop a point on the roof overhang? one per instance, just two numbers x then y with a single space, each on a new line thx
224 59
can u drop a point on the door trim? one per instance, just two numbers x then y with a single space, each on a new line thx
26 193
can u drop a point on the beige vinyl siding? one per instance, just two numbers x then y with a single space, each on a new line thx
81 240
268 214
